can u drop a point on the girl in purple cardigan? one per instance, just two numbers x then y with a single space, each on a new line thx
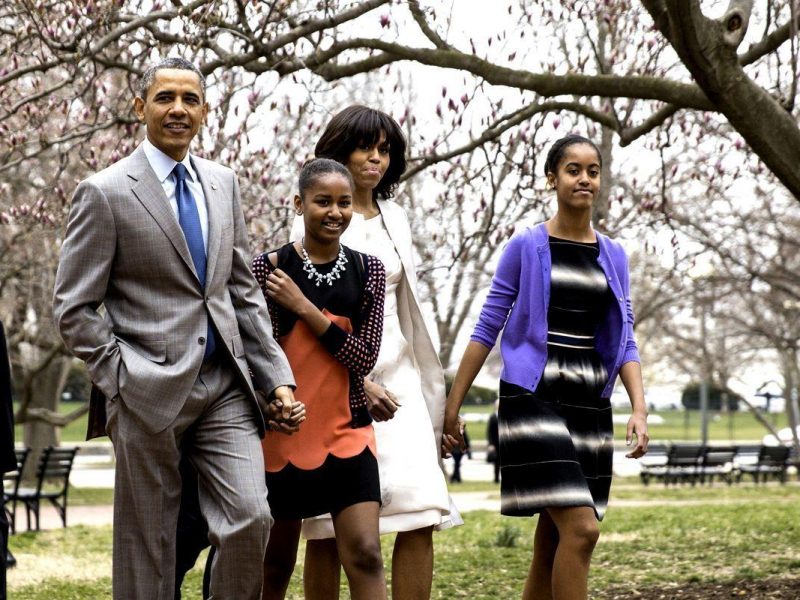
561 297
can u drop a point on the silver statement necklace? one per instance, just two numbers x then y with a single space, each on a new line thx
336 272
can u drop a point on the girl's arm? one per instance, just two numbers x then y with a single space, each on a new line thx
284 291
358 351
501 297
631 375
471 363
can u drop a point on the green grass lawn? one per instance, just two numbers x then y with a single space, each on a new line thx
90 496
733 533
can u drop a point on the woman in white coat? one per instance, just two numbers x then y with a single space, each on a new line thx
406 390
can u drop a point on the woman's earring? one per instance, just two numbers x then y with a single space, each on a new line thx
298 212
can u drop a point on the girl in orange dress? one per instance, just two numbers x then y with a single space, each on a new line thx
326 305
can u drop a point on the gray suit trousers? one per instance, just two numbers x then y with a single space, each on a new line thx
226 452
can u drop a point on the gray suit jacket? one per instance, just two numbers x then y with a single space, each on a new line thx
125 249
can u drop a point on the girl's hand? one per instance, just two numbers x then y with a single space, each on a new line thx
637 425
452 435
284 291
381 402
283 415
277 421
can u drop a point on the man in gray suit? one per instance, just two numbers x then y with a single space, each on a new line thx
159 239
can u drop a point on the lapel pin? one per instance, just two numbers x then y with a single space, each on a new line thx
213 185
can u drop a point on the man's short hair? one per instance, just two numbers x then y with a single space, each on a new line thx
174 62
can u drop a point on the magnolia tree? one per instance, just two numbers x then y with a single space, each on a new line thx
675 92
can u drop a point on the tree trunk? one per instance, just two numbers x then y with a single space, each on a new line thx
600 206
791 378
43 392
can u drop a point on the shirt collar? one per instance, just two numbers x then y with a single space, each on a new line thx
163 164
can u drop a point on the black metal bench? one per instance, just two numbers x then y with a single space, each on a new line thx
52 484
11 481
717 461
654 463
683 463
772 461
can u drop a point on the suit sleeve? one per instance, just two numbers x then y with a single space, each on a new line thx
84 268
267 361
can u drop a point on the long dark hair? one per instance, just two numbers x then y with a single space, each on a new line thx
357 125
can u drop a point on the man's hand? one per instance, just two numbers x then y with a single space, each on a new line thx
382 403
282 413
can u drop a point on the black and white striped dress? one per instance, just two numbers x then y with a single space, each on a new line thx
556 444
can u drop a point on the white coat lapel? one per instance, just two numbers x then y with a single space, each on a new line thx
398 232
147 189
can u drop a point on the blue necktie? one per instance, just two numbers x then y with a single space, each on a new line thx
189 219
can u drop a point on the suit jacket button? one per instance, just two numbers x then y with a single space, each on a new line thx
201 340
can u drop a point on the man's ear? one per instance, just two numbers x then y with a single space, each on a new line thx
205 111
138 108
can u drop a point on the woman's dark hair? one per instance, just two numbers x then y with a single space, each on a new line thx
357 125
558 149
316 167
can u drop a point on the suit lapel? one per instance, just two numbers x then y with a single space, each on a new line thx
149 192
215 203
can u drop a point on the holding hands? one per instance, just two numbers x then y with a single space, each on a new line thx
452 435
282 413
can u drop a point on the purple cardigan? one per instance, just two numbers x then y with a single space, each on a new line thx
521 287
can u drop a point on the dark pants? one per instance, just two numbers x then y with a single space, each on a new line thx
456 476
192 532
3 547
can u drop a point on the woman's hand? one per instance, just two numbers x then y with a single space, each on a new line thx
284 291
452 435
637 425
381 402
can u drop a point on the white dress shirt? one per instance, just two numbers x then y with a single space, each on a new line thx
163 166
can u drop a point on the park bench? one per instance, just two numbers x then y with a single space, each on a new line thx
772 461
52 484
11 481
793 461
654 463
683 463
717 461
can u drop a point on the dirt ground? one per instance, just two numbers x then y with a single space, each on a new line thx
763 589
